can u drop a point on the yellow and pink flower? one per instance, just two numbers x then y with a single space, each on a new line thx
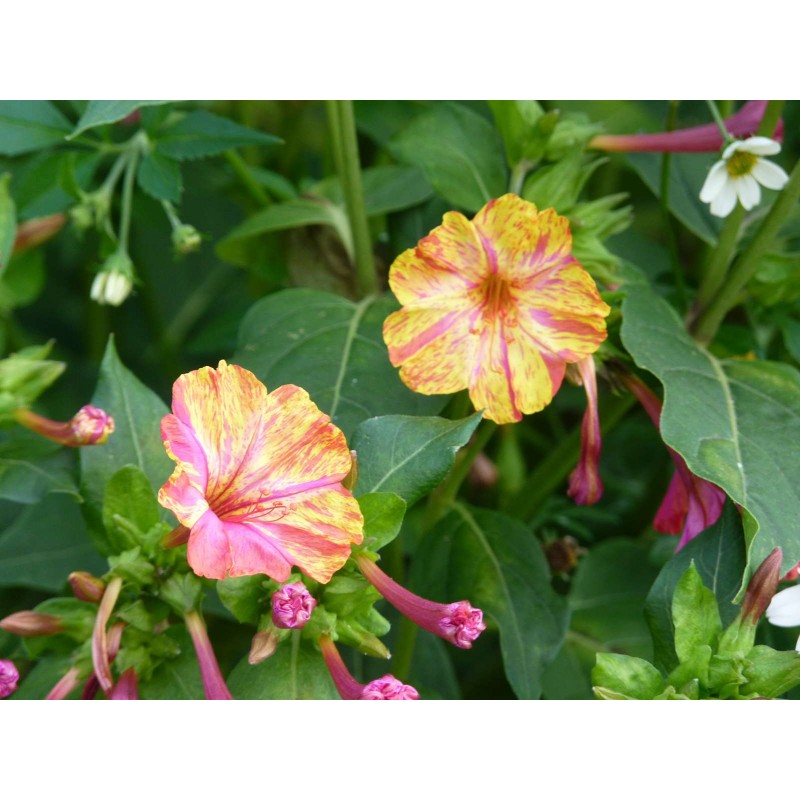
496 305
258 481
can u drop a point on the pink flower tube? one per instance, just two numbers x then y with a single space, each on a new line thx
585 486
213 682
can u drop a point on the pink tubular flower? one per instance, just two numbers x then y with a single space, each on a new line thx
385 688
459 623
9 677
292 606
258 480
91 425
691 504
31 623
101 658
213 682
700 139
585 486
65 686
127 687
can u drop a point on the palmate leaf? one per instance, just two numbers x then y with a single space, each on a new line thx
735 422
494 562
334 349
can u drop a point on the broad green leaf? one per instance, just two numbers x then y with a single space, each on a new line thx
43 677
176 678
31 467
129 496
200 134
27 125
497 564
719 556
136 439
383 517
458 151
44 543
8 220
619 677
432 673
732 420
104 112
296 213
296 672
408 455
334 349
687 174
246 597
516 120
770 673
160 177
695 615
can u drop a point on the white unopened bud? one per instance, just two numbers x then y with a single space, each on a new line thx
114 282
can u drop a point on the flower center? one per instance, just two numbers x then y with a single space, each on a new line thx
497 294
740 163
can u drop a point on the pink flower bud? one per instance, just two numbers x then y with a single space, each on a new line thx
389 688
127 687
31 623
65 686
91 425
213 682
458 623
86 587
762 586
101 657
292 606
9 677
585 486
264 645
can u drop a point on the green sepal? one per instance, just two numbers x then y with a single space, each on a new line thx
692 671
771 673
726 676
738 639
558 185
23 377
136 615
620 677
132 567
695 615
77 617
358 637
246 597
182 592
130 508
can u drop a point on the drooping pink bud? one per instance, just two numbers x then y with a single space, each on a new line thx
31 623
389 688
458 623
263 645
87 587
100 640
762 586
114 640
65 686
385 688
699 139
292 606
213 682
585 486
127 687
91 425
9 677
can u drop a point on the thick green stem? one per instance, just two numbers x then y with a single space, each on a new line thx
745 268
345 153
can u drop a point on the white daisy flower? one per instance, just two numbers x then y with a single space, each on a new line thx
739 174
784 610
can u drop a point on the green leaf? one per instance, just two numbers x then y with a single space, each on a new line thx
129 497
494 562
44 543
284 216
27 125
408 455
334 349
719 557
694 614
730 419
8 220
383 517
296 672
687 174
160 177
31 467
176 678
516 120
136 440
458 151
104 112
200 134
246 597
618 677
43 677
770 673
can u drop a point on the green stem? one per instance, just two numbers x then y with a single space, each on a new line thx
126 206
716 271
254 189
345 152
672 241
728 296
726 136
169 210
404 646
518 174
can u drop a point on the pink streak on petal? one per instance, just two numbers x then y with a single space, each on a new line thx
209 551
182 445
253 552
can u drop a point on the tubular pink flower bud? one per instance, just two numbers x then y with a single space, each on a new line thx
762 586
458 623
87 587
100 641
9 677
385 688
91 425
264 645
691 503
65 686
585 486
31 623
127 687
213 682
114 641
699 139
292 606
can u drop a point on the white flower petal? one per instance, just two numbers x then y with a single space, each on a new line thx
760 146
731 149
725 201
797 646
769 175
714 182
784 610
749 191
